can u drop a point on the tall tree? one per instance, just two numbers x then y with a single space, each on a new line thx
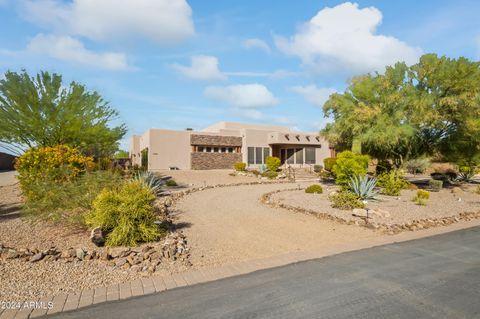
40 111
431 108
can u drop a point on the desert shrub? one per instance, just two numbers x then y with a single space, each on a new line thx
392 182
270 174
262 168
239 166
317 168
417 165
363 187
66 202
56 163
346 200
127 215
421 197
314 189
273 163
383 166
171 183
466 173
325 175
348 165
150 180
435 185
328 163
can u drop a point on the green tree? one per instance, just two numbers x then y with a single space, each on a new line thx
430 108
39 111
121 154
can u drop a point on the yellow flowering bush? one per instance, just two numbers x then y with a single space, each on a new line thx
55 163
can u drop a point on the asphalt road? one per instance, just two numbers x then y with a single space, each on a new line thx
436 277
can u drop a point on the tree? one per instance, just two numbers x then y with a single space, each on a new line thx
120 154
40 111
430 108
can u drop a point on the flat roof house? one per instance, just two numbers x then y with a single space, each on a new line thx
223 144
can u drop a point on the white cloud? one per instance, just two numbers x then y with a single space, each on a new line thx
277 74
313 94
71 50
163 21
203 67
242 95
344 38
257 44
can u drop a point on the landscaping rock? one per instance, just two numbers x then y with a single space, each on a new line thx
37 257
96 236
80 253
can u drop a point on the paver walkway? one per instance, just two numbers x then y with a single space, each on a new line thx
436 277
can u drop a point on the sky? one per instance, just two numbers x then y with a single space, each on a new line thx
190 63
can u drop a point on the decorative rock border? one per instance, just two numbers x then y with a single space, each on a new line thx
389 229
146 259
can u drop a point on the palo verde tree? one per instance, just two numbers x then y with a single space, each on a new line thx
39 111
430 108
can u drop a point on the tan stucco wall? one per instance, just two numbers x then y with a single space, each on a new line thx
168 148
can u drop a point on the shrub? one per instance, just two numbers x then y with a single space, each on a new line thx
171 183
392 182
421 197
348 165
325 175
273 163
314 189
150 180
383 166
363 187
127 216
466 173
346 200
328 163
317 168
444 177
417 165
435 185
240 167
56 163
67 201
270 174
262 168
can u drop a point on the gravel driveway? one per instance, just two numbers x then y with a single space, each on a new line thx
7 178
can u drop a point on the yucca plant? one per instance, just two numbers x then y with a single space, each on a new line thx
150 180
363 187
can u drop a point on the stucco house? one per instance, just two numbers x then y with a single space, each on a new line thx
223 144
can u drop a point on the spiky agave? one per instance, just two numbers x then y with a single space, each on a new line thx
150 180
363 187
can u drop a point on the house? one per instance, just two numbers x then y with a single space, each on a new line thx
223 144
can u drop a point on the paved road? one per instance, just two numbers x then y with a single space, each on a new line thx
436 277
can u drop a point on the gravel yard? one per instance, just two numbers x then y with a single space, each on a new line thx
392 209
201 178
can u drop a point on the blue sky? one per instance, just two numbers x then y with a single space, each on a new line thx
177 64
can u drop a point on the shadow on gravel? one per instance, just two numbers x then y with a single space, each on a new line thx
10 211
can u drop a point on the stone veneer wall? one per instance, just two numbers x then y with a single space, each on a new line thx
202 160
215 140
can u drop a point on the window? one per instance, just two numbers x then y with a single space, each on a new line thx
224 150
258 155
290 158
310 155
299 156
209 149
230 149
251 155
201 149
266 153
215 149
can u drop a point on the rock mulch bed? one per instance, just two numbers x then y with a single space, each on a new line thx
389 214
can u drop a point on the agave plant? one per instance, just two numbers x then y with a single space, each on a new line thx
150 180
466 174
363 187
